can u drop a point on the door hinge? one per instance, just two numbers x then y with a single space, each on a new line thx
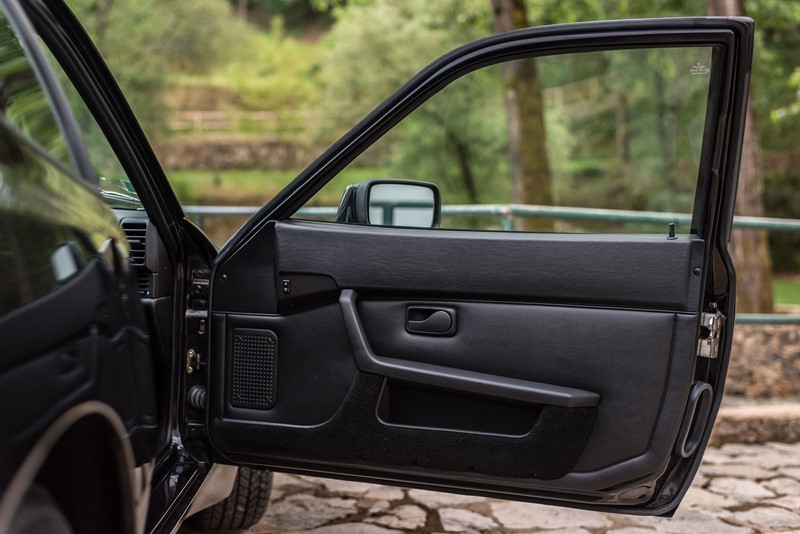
712 324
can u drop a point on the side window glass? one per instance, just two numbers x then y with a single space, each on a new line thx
36 257
40 248
23 100
617 129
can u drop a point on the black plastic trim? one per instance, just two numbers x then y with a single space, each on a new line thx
695 419
445 377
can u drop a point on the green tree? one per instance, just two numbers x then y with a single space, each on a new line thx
374 47
527 139
749 247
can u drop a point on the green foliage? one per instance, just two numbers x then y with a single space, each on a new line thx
458 140
786 291
782 199
558 11
278 72
147 42
375 47
250 186
774 86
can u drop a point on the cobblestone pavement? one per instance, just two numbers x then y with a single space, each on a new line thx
740 488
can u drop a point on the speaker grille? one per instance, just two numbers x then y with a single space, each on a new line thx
255 354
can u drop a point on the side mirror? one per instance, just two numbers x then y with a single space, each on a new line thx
391 203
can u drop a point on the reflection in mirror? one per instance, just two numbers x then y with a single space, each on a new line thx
401 205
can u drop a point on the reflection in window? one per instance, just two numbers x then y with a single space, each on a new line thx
22 98
36 257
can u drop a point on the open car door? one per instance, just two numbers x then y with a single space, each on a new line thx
572 368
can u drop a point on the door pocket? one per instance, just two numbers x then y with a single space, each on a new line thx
410 405
356 435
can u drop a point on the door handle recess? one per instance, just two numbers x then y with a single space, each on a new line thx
451 378
431 321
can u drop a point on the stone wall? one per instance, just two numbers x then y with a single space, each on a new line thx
233 154
765 362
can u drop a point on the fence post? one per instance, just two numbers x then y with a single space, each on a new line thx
506 219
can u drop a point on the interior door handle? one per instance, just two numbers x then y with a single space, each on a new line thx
431 321
438 322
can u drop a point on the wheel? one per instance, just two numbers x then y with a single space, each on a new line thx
39 513
244 506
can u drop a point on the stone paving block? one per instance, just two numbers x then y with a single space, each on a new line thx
783 486
305 511
406 517
346 487
387 493
692 520
768 459
286 480
769 517
740 470
715 456
793 472
790 448
351 528
522 515
378 507
630 530
697 497
743 490
433 499
790 502
739 449
566 531
460 520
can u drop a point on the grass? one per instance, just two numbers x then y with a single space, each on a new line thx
255 187
786 290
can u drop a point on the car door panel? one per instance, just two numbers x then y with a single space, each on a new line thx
643 271
538 366
313 372
546 382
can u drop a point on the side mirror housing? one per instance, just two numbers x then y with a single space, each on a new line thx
391 203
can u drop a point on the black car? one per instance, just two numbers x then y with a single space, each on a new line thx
147 377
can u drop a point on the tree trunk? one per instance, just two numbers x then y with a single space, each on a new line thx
530 169
748 247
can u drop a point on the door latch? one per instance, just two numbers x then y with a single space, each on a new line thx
193 361
708 345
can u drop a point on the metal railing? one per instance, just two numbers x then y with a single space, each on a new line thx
507 213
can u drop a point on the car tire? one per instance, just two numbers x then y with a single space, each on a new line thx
243 508
39 513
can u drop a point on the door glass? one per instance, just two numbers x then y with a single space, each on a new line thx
615 129
23 101
40 248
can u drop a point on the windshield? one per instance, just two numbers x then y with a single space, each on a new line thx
119 193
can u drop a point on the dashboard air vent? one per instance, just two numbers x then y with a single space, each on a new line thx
136 232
